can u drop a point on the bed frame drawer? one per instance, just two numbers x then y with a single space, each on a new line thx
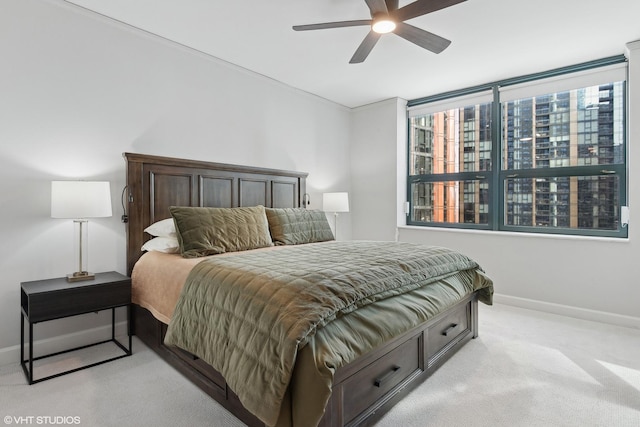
216 379
383 375
447 331
201 366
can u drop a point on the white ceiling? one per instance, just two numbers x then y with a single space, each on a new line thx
491 40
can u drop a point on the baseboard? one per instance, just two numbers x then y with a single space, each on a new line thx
11 354
569 311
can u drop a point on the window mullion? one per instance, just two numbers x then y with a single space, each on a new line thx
592 170
496 187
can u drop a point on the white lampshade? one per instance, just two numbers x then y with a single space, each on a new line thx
335 202
80 199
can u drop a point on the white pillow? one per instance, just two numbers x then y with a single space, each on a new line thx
168 245
164 228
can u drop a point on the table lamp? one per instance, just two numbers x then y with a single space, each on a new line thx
335 202
79 200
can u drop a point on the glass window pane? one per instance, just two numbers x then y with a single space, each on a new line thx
577 202
574 128
451 141
451 202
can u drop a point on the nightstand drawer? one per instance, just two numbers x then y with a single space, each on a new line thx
52 299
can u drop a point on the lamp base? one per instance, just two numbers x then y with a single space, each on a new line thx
79 276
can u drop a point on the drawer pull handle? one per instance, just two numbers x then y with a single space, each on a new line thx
449 329
378 382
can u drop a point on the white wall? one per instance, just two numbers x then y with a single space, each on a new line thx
374 173
584 277
77 90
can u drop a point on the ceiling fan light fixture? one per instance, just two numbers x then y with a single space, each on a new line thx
383 25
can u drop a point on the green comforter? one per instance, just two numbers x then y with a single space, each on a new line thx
252 315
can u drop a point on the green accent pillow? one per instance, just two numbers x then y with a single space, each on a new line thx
294 226
210 231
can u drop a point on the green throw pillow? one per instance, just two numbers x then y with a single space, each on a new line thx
294 226
210 231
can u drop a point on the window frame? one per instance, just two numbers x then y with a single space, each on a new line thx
497 176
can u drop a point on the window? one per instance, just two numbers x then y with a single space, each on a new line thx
535 155
450 185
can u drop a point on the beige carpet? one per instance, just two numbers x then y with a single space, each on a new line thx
526 369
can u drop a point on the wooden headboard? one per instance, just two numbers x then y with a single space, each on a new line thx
154 183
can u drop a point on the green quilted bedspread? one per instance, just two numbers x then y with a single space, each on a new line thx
251 315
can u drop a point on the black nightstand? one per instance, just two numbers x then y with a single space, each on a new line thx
45 300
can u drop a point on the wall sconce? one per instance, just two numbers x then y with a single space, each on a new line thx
79 200
335 202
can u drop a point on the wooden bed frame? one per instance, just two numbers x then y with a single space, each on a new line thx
364 389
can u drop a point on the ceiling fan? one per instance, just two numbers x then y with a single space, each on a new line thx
386 17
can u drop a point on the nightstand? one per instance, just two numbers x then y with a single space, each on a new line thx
45 300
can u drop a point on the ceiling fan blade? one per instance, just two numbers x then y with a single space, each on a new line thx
377 6
339 24
365 47
422 38
422 7
391 5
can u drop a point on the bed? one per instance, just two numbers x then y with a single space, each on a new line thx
368 379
